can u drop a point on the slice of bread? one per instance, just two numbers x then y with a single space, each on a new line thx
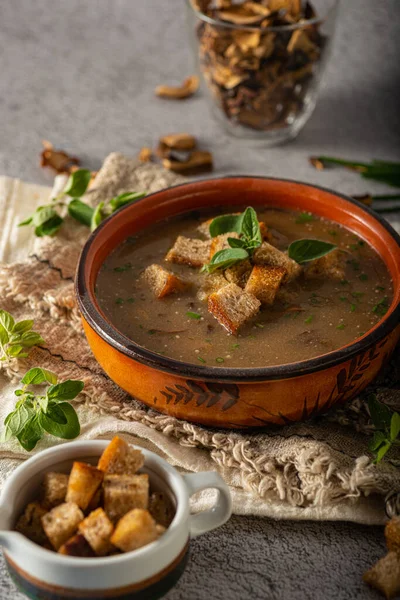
232 307
120 458
61 523
97 530
163 282
136 529
264 283
190 252
54 489
211 282
122 493
30 523
268 255
83 483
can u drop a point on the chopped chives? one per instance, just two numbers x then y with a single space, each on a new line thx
193 315
259 325
235 346
352 307
380 288
201 359
219 359
363 277
119 301
341 326
304 217
343 298
309 319
332 232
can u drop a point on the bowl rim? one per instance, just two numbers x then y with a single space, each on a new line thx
123 344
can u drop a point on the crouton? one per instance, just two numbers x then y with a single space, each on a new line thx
97 530
211 283
264 283
330 266
136 529
61 522
232 307
204 228
83 483
95 502
30 523
385 575
268 255
392 535
120 458
191 252
161 509
220 242
160 529
162 282
54 489
239 273
124 492
77 546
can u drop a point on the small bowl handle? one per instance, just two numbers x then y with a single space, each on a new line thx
222 509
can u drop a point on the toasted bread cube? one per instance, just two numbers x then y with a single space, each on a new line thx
77 546
122 493
220 242
190 252
83 483
95 502
204 228
120 458
239 273
30 523
392 535
211 282
232 307
161 509
61 522
385 575
160 529
268 255
97 529
264 283
162 282
54 489
136 529
330 266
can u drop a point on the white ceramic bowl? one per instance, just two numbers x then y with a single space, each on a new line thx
146 573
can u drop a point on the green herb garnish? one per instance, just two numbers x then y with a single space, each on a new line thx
219 359
378 170
130 300
123 268
341 326
303 251
352 307
259 325
16 338
193 315
34 414
201 359
381 307
354 264
309 319
119 301
226 224
126 198
380 288
332 232
363 277
387 424
235 346
223 259
304 217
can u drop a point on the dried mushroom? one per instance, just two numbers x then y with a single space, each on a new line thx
259 77
188 88
199 160
145 154
58 160
178 152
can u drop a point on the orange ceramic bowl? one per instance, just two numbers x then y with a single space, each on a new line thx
232 397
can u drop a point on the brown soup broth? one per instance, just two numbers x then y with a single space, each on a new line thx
324 315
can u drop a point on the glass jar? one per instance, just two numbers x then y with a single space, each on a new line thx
261 62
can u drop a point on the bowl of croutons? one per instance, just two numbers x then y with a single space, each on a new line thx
98 519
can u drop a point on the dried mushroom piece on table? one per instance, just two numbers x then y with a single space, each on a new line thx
188 88
259 77
58 160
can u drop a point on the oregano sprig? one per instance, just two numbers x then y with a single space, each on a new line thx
387 425
16 338
48 411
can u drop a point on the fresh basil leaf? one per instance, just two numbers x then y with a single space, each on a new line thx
57 414
27 221
226 224
381 415
77 183
382 451
223 259
43 214
378 439
125 198
38 375
80 211
236 243
304 250
19 392
17 420
14 350
97 216
4 337
67 390
7 320
30 339
251 226
51 421
50 227
31 434
6 435
394 426
23 326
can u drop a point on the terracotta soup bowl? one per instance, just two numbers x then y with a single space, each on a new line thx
236 397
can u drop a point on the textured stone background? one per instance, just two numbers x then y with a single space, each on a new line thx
81 74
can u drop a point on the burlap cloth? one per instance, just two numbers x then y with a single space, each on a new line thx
320 469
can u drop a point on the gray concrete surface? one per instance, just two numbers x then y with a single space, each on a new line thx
81 74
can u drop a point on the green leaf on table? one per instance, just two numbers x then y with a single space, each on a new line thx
37 375
381 415
97 216
61 421
382 451
305 250
49 227
77 183
226 224
394 426
126 198
23 326
4 335
223 259
67 390
80 211
7 320
27 221
31 433
377 440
